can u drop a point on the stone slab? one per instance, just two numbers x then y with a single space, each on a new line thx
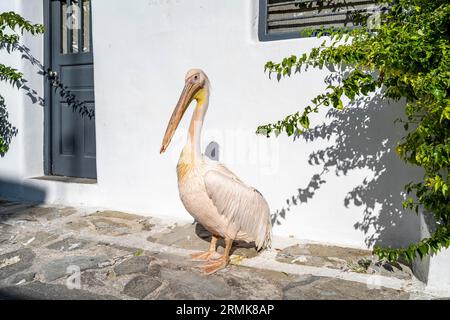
69 244
195 237
133 265
346 259
322 288
45 291
141 286
15 262
58 268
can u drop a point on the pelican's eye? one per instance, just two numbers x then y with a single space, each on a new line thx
196 77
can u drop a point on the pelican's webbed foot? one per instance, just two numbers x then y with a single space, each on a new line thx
204 256
221 263
207 255
214 266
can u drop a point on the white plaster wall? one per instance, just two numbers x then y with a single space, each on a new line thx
25 107
142 50
13 162
433 270
439 274
32 94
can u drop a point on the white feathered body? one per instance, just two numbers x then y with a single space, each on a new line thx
222 203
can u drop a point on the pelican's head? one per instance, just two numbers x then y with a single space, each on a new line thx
195 84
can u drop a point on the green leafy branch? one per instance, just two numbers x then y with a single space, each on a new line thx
12 26
16 22
406 57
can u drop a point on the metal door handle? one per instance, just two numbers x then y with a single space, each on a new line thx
53 77
53 74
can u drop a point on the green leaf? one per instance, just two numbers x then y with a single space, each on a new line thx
422 250
304 121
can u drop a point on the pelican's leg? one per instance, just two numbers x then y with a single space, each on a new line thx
221 262
208 255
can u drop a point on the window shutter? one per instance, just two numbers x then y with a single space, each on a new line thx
285 19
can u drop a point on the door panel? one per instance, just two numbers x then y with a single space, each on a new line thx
73 134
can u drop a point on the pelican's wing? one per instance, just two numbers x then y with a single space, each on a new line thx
242 205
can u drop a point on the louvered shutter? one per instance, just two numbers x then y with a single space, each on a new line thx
281 19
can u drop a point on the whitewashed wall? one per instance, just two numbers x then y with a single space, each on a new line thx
25 156
142 50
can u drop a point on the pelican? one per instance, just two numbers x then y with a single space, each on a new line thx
223 204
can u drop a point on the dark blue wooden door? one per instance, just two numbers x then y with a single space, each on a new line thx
73 150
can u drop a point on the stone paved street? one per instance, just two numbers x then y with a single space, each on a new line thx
77 253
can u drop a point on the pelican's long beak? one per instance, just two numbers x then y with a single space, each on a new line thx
186 97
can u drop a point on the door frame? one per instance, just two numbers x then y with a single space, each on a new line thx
48 88
48 92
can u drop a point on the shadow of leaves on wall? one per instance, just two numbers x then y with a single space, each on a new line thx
59 88
365 137
7 129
